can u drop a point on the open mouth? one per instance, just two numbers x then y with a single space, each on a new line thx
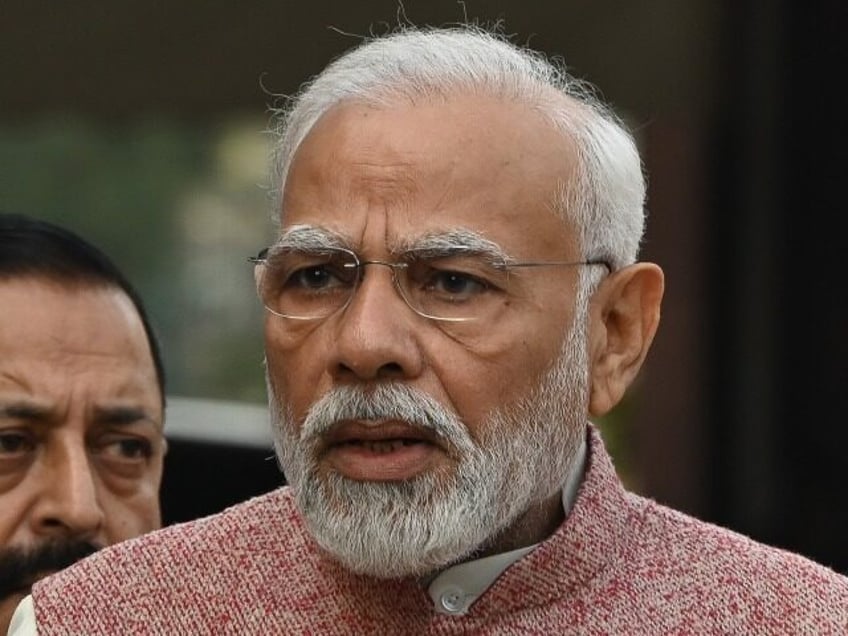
380 451
382 446
380 436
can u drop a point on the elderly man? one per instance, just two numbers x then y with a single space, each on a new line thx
453 293
81 401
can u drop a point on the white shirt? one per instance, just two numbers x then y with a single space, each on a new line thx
457 587
23 620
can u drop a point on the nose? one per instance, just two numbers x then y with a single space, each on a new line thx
68 505
377 333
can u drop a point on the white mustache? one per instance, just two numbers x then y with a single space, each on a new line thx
394 401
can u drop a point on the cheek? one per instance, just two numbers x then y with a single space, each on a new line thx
20 490
131 506
133 517
296 367
477 384
505 366
13 507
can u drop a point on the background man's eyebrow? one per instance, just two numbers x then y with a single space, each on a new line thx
454 242
308 238
23 411
121 415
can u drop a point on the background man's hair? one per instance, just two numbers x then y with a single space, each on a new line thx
35 248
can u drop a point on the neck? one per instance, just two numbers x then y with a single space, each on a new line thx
534 526
541 519
7 608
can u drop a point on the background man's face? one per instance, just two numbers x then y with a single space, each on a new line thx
81 442
385 178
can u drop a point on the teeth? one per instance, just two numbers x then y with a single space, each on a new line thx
385 446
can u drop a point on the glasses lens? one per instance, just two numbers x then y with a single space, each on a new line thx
452 288
307 284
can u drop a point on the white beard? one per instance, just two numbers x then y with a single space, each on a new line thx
414 527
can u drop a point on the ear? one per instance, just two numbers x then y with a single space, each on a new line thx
623 316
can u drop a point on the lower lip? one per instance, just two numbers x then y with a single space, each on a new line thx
362 462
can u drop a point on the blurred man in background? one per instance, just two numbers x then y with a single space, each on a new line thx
453 294
81 406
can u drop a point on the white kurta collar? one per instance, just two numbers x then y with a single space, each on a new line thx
454 589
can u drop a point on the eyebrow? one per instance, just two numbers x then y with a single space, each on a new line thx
460 240
119 415
115 415
430 245
23 411
309 238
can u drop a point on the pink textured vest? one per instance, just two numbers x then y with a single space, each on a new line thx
620 564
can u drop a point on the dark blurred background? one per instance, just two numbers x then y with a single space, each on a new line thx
139 123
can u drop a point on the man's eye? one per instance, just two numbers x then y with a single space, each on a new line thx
454 285
15 443
127 448
318 277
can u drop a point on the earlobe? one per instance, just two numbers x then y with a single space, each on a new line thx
624 314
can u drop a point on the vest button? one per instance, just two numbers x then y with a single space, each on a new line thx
453 601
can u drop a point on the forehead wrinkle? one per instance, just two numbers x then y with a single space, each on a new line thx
15 380
384 182
59 349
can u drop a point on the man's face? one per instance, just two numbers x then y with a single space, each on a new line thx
81 443
440 410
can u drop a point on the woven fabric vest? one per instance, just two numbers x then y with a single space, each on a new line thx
619 564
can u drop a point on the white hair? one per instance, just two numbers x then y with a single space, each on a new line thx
603 197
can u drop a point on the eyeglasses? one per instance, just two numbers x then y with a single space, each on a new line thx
459 286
